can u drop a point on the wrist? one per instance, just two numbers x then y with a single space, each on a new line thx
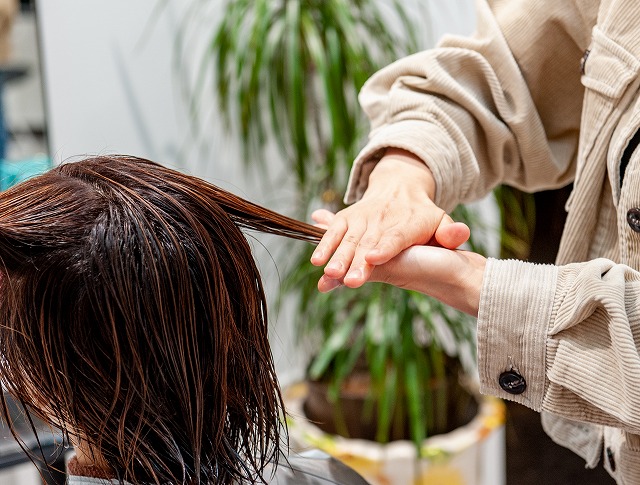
398 164
472 283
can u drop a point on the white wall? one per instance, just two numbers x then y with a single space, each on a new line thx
110 87
23 98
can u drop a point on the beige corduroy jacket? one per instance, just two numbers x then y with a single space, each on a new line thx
544 93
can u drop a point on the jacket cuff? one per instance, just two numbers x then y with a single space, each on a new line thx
516 304
425 139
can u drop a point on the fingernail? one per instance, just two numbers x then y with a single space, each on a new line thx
356 274
337 265
332 285
317 254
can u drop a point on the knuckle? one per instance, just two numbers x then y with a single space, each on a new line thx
383 213
369 241
351 239
334 233
330 236
395 236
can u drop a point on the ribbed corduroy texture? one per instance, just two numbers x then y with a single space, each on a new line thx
517 301
512 105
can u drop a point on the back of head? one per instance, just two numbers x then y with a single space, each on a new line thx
134 318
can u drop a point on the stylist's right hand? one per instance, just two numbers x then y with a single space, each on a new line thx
395 212
452 276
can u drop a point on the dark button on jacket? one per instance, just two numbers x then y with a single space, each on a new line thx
512 382
633 218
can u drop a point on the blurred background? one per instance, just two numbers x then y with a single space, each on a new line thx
86 77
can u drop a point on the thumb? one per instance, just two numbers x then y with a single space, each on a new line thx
451 234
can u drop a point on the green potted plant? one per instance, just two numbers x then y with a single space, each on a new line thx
287 73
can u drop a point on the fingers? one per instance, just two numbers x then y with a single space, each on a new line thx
349 244
370 250
322 218
447 233
351 248
326 284
389 245
450 234
336 231
358 274
344 258
349 263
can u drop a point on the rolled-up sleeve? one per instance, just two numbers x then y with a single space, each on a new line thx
501 106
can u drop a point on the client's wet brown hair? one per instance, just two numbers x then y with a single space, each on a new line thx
132 316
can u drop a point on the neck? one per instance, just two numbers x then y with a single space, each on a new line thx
88 463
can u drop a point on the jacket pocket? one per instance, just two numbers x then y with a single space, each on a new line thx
608 68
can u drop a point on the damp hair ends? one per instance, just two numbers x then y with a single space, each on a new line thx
134 319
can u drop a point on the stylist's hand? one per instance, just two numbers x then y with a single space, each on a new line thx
396 212
452 276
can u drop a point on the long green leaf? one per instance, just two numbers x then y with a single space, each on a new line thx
386 403
295 83
336 342
287 74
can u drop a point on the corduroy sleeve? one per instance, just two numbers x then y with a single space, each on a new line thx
501 106
570 331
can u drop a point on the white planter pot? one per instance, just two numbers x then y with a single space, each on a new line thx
473 454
